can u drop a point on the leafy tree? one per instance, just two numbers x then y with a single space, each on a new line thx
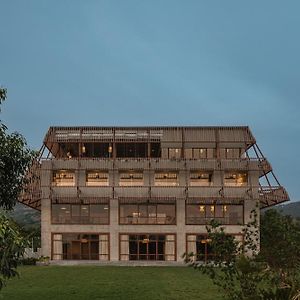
280 240
15 159
241 276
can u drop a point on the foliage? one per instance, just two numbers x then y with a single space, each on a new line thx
12 245
29 261
15 158
280 240
244 274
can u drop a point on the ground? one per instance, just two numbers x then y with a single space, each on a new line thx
107 282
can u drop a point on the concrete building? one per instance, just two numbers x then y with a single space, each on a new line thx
145 193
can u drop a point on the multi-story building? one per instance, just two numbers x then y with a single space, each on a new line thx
145 193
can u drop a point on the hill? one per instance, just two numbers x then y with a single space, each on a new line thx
291 208
26 216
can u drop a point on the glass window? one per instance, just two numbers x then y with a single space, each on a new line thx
199 153
63 178
166 179
96 178
132 149
235 179
147 214
95 150
131 179
200 179
80 214
61 213
174 153
155 150
68 150
224 214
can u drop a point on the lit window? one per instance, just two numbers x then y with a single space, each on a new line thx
200 179
235 179
131 179
63 178
174 153
96 178
166 179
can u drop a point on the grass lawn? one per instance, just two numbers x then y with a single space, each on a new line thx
108 282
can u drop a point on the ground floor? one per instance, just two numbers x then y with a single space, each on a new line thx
131 246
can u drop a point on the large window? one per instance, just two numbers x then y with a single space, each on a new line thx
200 246
174 153
147 247
80 214
132 149
96 178
80 246
100 150
147 214
63 178
235 179
228 214
231 153
131 179
166 179
199 153
68 150
200 178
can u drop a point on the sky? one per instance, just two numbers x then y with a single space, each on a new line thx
158 62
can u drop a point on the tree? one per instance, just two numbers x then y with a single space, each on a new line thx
261 275
15 159
280 240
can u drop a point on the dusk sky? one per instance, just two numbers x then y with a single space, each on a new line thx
156 62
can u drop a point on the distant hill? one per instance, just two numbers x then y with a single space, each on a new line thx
26 216
291 208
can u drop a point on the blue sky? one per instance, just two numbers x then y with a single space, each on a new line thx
156 63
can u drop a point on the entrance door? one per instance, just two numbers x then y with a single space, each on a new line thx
146 247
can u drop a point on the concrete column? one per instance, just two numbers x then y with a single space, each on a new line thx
114 230
180 239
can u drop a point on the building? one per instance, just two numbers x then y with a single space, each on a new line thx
145 193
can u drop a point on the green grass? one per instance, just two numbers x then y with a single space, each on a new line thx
107 282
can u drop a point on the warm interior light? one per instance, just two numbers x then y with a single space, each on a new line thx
83 149
224 208
201 208
110 149
201 151
63 208
105 207
176 150
212 208
83 207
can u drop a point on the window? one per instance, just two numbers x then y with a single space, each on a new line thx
68 150
147 247
132 150
166 179
155 150
200 246
235 179
131 179
200 179
231 153
80 214
227 214
100 150
80 246
96 178
63 178
147 214
174 153
199 153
